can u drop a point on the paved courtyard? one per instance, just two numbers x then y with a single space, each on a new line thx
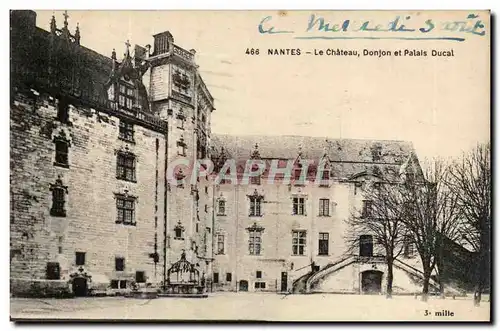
254 306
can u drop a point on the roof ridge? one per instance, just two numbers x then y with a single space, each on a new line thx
302 136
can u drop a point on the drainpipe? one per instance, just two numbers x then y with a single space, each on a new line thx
165 211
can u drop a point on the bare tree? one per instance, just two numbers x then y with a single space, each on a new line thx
431 216
471 179
380 218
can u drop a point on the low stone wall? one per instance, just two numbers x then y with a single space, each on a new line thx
39 288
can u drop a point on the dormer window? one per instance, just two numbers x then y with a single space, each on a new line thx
126 96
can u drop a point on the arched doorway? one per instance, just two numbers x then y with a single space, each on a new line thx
243 286
371 282
80 286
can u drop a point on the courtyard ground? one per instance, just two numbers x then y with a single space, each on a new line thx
255 307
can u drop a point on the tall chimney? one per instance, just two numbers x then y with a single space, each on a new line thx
163 42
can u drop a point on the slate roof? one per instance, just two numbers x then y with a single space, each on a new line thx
52 63
349 157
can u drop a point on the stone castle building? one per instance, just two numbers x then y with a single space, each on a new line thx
91 140
91 137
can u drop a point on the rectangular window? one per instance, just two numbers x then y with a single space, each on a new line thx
324 207
260 285
323 243
216 277
220 244
58 202
367 208
222 207
119 264
80 258
255 206
258 274
298 242
255 180
61 153
123 284
53 270
299 206
125 207
125 167
409 247
126 97
178 233
325 174
254 242
229 277
114 284
126 131
140 277
63 111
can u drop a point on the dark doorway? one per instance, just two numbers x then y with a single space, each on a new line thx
365 245
284 282
80 287
243 286
371 282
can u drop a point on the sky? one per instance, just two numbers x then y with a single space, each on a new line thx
441 104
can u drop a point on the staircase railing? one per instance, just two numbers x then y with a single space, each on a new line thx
327 269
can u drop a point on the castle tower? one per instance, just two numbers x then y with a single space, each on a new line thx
179 96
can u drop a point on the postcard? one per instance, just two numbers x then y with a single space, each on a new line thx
250 166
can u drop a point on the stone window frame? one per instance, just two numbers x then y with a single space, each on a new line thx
409 247
324 208
366 208
326 173
53 271
61 145
255 204
323 238
120 263
63 107
59 192
218 250
296 205
255 239
126 131
296 242
182 119
128 164
122 207
221 201
79 257
125 92
140 280
182 145
179 227
260 285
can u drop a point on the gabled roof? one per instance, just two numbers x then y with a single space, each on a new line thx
349 157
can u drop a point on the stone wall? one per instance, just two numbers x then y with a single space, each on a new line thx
91 179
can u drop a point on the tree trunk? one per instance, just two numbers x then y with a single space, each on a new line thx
425 289
483 269
390 278
441 271
441 288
